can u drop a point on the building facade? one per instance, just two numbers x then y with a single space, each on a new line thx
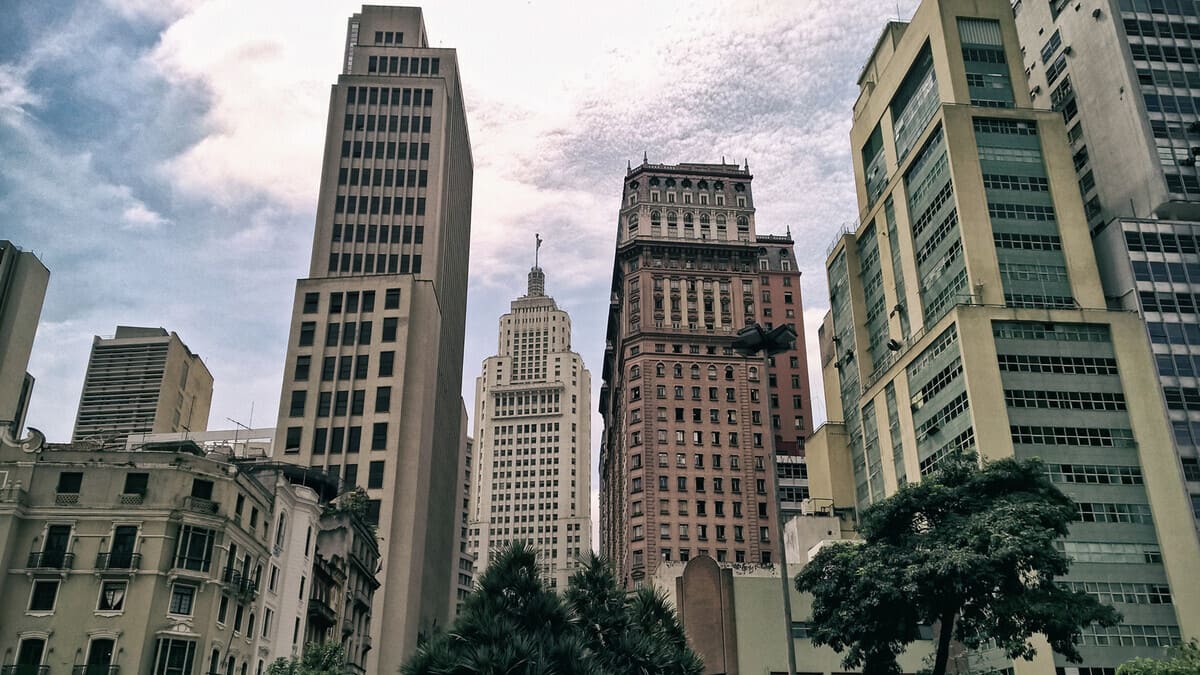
162 560
23 280
993 334
1135 156
533 440
141 381
685 466
464 582
373 374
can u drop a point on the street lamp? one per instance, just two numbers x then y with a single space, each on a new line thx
750 341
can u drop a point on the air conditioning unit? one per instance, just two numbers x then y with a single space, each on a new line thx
1187 161
893 345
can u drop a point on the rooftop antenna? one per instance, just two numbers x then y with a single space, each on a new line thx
628 166
898 10
645 158
537 247
747 161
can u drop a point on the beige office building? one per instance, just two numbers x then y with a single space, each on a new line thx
23 280
533 440
141 381
968 314
372 381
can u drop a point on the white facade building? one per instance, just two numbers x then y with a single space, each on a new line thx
532 440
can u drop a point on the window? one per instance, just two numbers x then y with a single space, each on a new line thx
136 483
44 595
195 548
307 331
296 408
386 363
183 597
69 482
174 657
375 475
389 329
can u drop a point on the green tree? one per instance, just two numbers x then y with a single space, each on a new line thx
513 624
969 549
1183 660
326 658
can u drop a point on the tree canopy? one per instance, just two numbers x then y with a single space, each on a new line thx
326 658
513 623
1183 660
968 549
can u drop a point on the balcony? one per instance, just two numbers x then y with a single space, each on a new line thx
320 613
50 560
24 670
120 560
239 585
200 505
96 670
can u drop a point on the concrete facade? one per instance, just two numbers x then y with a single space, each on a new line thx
154 561
464 583
141 381
23 280
979 322
685 467
1120 73
532 436
373 373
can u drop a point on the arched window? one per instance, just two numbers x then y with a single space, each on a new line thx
720 219
687 220
729 372
743 223
281 529
655 219
678 370
712 372
635 372
660 369
753 373
633 222
703 220
672 219
695 372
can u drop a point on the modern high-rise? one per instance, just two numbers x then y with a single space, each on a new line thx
968 314
685 465
141 381
532 441
373 376
23 280
1124 77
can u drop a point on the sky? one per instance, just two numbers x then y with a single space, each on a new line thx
162 158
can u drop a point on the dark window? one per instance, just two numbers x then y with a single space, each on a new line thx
383 399
323 402
328 368
136 483
303 362
293 440
354 439
379 436
336 440
69 482
351 478
364 333
307 329
311 301
389 329
345 366
358 402
340 402
320 436
375 475
331 335
297 405
373 511
361 365
368 300
45 592
202 488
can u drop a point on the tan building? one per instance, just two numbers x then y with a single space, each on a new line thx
343 585
685 468
372 380
141 381
464 583
23 280
968 314
533 440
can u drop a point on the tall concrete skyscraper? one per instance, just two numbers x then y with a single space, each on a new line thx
533 439
968 315
1123 76
142 381
23 280
685 467
372 382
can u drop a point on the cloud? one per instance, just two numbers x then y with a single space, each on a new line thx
138 217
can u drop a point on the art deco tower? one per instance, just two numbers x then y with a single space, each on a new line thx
689 425
372 381
533 439
968 315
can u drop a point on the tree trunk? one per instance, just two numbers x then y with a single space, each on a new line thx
945 634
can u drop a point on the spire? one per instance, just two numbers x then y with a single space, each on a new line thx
645 158
537 278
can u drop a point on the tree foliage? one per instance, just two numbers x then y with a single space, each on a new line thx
325 658
969 549
513 624
1183 660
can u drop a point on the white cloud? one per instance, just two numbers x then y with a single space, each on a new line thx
138 217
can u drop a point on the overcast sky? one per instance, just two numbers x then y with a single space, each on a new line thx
162 157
